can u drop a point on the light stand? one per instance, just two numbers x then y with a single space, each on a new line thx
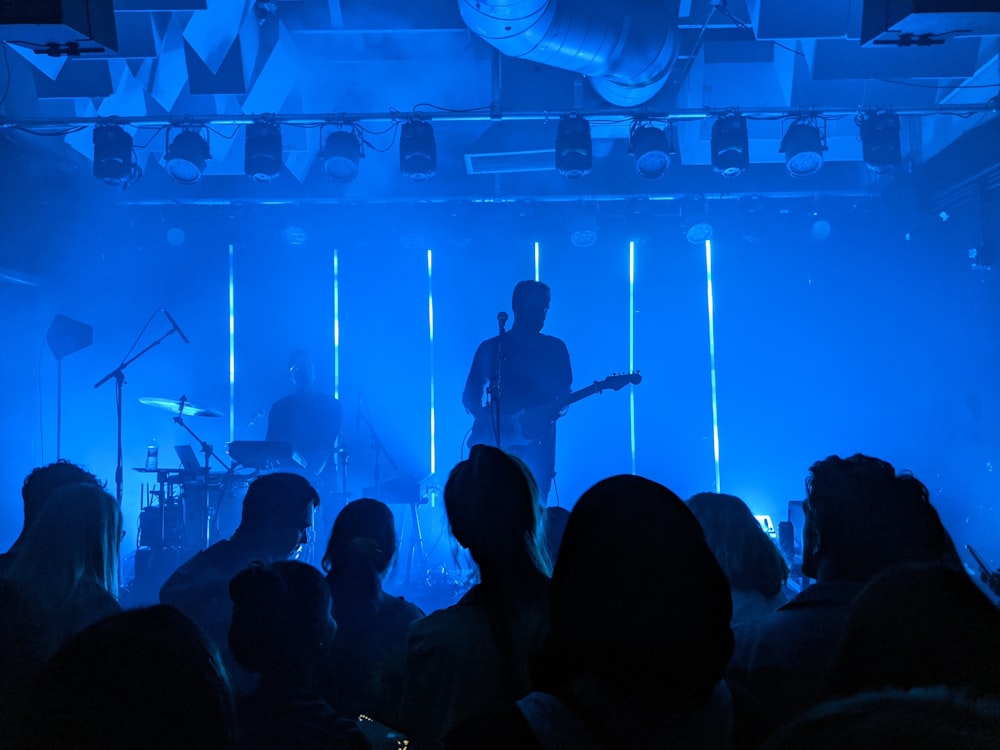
64 337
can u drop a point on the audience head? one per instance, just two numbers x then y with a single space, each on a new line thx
277 514
638 600
141 678
42 482
282 622
918 625
860 518
76 537
748 556
493 508
362 545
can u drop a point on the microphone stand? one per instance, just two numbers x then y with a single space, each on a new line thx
494 390
379 448
206 448
119 375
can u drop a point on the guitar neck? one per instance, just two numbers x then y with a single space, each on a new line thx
575 396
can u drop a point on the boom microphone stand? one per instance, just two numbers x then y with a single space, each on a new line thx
119 375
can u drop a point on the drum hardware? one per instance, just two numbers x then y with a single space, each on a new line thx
181 407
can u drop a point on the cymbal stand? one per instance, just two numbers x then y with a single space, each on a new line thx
119 375
209 452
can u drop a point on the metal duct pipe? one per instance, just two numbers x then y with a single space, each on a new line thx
625 48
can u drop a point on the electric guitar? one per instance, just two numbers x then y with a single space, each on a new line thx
525 426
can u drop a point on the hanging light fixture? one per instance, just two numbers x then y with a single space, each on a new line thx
803 145
650 147
574 148
730 145
880 139
262 153
114 162
417 150
341 155
186 157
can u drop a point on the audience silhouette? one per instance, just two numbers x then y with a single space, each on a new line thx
754 567
282 627
860 519
68 559
919 625
663 624
639 633
37 490
364 673
472 657
277 515
142 678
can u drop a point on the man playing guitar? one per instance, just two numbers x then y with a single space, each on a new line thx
517 385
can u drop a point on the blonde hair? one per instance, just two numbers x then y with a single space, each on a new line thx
75 538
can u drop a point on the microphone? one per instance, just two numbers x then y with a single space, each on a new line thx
502 320
357 417
176 327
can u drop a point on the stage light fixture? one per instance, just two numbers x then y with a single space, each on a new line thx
651 149
113 157
574 148
695 221
341 155
417 150
803 146
880 139
262 153
187 156
730 145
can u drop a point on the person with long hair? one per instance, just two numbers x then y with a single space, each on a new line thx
753 565
68 560
472 658
364 671
639 634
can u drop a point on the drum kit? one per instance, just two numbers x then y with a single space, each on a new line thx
196 505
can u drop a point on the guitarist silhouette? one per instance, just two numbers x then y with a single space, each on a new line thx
518 384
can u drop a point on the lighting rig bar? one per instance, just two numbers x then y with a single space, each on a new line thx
483 116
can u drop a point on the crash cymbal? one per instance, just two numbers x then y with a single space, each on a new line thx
182 407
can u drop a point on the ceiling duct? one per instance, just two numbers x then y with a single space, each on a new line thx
626 49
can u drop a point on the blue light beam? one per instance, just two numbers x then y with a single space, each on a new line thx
711 354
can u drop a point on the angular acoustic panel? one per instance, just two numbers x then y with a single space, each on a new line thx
930 22
79 78
42 22
227 78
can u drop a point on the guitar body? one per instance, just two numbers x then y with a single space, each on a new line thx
528 426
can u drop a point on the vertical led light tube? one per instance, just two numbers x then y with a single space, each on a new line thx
336 324
631 347
537 277
232 348
711 354
430 328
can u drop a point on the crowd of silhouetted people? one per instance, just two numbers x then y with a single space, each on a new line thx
636 620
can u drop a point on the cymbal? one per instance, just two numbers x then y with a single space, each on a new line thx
183 407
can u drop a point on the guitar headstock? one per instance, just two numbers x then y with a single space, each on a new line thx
615 382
